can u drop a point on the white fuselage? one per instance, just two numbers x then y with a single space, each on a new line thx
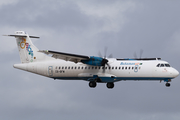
118 70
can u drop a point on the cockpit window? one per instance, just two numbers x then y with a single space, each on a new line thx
167 65
163 65
158 65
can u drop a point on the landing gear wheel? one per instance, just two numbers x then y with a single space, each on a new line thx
110 85
168 84
92 84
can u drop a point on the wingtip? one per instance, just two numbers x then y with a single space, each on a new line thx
5 35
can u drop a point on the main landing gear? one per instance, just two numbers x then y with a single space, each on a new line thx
93 84
110 85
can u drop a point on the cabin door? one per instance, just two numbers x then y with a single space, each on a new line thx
50 70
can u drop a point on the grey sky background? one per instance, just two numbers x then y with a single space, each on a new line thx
87 27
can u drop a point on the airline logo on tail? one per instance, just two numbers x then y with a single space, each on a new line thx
26 45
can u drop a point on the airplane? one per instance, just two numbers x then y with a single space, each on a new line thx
66 66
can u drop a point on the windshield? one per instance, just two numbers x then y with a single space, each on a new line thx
163 65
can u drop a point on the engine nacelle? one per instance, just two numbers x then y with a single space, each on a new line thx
95 61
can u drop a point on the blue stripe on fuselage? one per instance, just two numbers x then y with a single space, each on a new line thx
115 79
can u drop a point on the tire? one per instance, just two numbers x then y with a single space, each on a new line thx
110 85
168 84
92 84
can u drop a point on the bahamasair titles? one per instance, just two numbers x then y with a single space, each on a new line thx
66 66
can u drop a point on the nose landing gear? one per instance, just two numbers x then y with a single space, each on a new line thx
168 84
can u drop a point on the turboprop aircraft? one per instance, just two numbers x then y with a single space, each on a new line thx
65 66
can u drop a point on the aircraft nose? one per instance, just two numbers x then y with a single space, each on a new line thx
175 73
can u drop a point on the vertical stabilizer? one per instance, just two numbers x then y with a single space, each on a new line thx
27 51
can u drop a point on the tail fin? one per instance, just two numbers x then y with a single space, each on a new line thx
27 51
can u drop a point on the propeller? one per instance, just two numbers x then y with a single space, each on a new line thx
105 61
135 55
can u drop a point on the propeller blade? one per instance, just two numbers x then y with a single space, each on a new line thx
103 69
141 52
108 65
135 55
99 54
105 51
110 56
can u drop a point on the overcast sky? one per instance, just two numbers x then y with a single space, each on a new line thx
87 27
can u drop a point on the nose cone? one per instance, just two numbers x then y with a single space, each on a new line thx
175 73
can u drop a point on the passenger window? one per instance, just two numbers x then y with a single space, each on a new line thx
85 68
126 68
82 68
109 67
112 67
78 67
74 67
89 67
92 67
59 67
68 67
71 67
162 65
119 67
122 67
106 67
132 68
129 68
95 67
65 67
62 67
116 68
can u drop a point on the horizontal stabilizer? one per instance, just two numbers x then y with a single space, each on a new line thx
21 36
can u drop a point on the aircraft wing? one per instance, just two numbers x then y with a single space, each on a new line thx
66 56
